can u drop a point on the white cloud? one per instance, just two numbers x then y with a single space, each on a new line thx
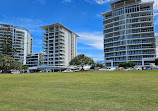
96 57
155 14
98 1
156 5
94 39
90 1
33 25
30 24
102 1
105 1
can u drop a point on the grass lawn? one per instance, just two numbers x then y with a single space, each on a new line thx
81 91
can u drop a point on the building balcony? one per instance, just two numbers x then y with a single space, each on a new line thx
112 21
136 54
45 47
141 32
141 21
120 60
60 49
113 46
108 42
108 37
130 60
58 60
60 45
46 33
60 52
18 47
136 43
146 9
113 51
59 56
51 39
62 31
62 34
46 40
46 37
143 48
141 16
141 27
62 38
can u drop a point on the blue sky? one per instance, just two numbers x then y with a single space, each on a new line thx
81 16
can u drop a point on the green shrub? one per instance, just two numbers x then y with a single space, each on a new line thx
127 65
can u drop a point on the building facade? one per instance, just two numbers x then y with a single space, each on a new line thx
22 40
33 60
60 45
129 34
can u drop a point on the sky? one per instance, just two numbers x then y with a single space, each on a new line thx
81 16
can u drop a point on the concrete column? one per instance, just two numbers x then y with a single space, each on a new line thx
112 64
142 62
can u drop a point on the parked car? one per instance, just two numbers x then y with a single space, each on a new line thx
121 69
102 69
15 72
138 68
129 69
108 69
68 70
86 67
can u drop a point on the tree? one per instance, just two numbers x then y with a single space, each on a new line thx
7 64
99 65
25 67
82 60
6 46
156 61
126 65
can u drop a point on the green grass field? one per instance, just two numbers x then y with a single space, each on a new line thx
81 91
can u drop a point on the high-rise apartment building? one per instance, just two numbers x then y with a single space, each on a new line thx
33 60
22 40
129 34
60 45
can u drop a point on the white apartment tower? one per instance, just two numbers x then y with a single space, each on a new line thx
129 34
21 38
33 60
60 45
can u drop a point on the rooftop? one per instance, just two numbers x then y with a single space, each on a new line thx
16 27
120 3
58 24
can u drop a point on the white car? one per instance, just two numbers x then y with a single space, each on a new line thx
86 67
102 69
68 70
129 69
138 68
108 69
15 72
